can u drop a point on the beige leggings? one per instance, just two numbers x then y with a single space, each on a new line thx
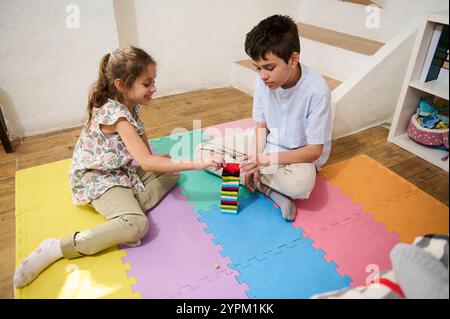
127 222
293 180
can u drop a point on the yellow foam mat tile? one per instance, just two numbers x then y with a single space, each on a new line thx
100 276
42 185
392 200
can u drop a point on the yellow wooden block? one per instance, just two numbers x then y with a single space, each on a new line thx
225 193
230 178
230 207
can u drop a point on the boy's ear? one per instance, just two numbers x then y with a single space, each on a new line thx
295 57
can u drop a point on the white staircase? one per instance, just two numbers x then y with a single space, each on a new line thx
335 54
364 73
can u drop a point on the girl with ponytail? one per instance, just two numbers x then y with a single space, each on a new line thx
102 173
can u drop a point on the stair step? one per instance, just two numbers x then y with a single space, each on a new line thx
339 39
363 2
332 83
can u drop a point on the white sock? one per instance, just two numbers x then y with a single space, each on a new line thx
287 206
47 253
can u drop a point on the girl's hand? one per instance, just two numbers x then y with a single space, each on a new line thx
210 161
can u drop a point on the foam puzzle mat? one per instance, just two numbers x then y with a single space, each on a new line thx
357 212
44 209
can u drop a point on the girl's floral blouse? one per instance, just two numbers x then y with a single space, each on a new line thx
101 161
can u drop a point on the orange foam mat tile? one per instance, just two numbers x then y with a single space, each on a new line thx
403 207
367 181
415 215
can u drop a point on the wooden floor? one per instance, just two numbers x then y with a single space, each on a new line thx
162 115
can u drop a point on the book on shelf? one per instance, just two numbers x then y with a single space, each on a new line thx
431 49
440 54
443 73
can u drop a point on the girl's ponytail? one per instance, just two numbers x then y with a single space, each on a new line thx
99 91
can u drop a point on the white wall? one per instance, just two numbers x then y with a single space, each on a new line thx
47 68
194 41
125 13
351 18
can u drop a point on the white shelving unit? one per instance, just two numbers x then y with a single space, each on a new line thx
413 90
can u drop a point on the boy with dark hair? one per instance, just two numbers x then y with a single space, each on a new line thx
292 109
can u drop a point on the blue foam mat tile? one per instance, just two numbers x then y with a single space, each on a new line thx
257 229
297 272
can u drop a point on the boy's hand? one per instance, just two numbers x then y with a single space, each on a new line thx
251 163
260 186
251 180
250 166
247 183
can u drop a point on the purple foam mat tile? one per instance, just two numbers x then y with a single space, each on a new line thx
174 206
166 296
175 252
221 287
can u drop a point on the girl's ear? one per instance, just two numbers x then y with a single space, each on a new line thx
119 84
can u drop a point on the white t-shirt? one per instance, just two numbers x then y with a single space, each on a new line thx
296 116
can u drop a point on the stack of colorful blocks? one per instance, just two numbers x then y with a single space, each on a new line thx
230 188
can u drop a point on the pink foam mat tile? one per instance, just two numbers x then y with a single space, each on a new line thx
325 207
348 235
176 253
357 245
230 128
